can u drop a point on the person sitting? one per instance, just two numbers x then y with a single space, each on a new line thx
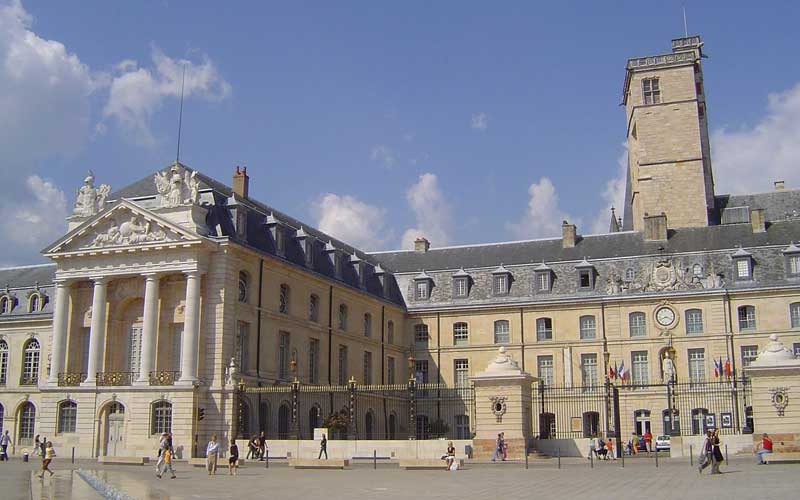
450 457
763 448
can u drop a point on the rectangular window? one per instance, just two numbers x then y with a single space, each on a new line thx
367 367
390 332
309 251
67 417
793 264
796 349
242 352
422 290
585 279
749 354
500 284
313 308
85 350
697 365
177 345
694 321
589 369
588 327
502 332
794 315
747 318
639 367
651 91
460 334
283 356
368 325
462 372
637 323
544 329
4 367
544 369
460 287
342 365
543 282
390 370
421 335
421 371
743 268
313 361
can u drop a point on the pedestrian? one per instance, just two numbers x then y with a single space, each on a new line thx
592 447
49 454
161 444
610 448
212 454
167 466
601 451
716 454
648 440
5 440
262 445
498 447
252 448
505 446
233 459
36 445
323 447
706 451
635 440
451 455
761 449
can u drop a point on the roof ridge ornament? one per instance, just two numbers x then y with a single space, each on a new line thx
90 199
179 186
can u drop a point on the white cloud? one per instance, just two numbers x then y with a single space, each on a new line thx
751 158
543 217
613 195
480 121
433 214
351 220
34 219
136 93
383 155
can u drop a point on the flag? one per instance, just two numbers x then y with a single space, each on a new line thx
717 371
622 373
727 367
611 372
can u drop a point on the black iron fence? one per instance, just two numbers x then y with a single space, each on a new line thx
399 411
633 409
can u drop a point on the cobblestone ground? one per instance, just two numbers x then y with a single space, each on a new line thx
673 479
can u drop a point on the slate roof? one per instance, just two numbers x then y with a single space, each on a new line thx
603 246
27 276
778 205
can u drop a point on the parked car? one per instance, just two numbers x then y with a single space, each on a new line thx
662 443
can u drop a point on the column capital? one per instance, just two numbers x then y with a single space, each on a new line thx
63 282
194 273
100 280
153 275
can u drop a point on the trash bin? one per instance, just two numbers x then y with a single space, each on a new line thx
24 456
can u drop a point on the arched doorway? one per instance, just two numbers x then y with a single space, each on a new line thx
283 421
369 425
392 426
263 418
27 423
113 436
314 419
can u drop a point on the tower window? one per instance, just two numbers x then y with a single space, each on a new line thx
651 91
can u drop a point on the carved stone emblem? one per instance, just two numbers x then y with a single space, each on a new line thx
132 231
498 407
780 398
90 199
177 187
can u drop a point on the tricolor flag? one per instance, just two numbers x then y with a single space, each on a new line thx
622 373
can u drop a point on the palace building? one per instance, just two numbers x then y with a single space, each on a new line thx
166 295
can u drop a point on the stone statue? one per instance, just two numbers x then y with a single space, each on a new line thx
129 232
177 187
667 369
133 231
90 199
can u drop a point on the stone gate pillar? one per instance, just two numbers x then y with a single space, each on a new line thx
775 378
502 404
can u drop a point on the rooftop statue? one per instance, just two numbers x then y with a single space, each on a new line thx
90 199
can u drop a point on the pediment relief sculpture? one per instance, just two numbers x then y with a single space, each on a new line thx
132 231
666 275
177 187
90 199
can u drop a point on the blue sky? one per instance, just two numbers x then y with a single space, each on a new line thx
467 122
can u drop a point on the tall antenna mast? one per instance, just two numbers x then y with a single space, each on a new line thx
180 117
685 29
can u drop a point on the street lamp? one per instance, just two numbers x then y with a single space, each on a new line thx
606 360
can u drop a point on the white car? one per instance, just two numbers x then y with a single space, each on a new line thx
662 443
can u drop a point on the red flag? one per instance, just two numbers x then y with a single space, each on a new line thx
727 367
611 373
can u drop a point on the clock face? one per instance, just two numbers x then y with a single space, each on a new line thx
665 316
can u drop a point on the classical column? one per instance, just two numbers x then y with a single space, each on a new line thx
147 361
60 323
191 329
97 331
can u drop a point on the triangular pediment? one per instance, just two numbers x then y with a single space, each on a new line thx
123 225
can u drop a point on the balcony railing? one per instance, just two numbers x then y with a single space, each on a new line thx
71 379
115 378
164 377
29 380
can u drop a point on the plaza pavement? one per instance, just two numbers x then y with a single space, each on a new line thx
640 479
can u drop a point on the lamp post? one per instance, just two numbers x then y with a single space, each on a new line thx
606 359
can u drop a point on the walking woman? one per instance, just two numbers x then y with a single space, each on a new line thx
233 459
47 458
716 454
212 454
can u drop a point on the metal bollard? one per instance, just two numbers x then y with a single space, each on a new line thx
266 459
73 454
591 460
623 458
375 459
656 459
558 453
726 454
691 456
526 459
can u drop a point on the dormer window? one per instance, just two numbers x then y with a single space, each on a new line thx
743 265
461 281
280 241
792 256
422 286
501 281
307 245
543 278
586 275
5 305
276 231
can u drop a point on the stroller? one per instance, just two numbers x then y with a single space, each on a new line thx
601 451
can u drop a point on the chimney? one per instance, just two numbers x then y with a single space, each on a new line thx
421 245
569 235
241 182
779 185
655 227
758 220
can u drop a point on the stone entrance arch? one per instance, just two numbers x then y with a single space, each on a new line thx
112 430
